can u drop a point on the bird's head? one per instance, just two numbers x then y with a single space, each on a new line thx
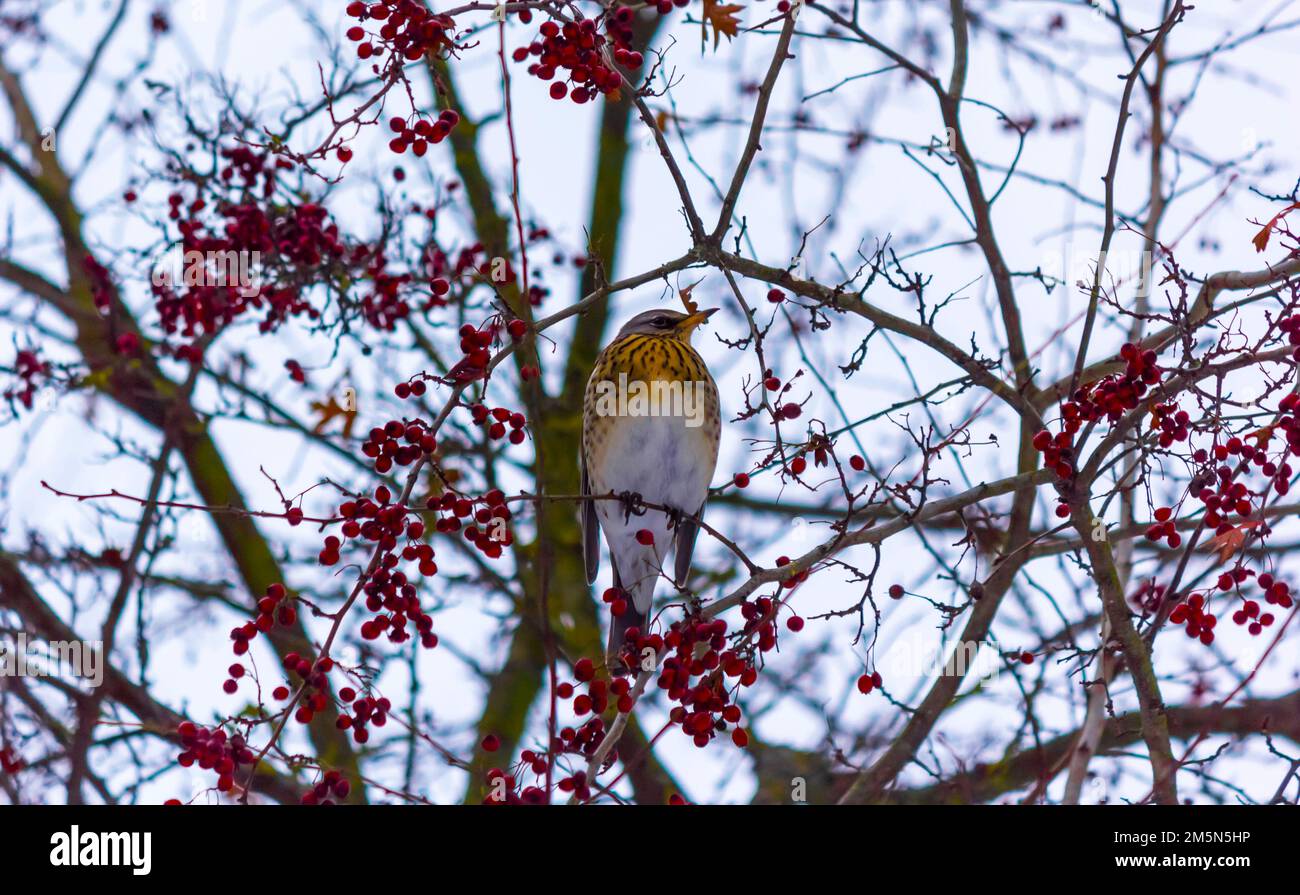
670 324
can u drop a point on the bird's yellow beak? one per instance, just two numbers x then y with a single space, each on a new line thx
688 325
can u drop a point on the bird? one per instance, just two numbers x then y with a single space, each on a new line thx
666 458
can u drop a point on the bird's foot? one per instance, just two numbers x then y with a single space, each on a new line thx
632 503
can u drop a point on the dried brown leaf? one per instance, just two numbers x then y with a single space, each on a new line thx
723 18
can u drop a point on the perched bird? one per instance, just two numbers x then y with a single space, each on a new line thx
662 447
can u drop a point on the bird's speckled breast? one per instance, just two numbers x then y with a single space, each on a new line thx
663 439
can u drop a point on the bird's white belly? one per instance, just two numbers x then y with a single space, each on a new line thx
667 463
660 458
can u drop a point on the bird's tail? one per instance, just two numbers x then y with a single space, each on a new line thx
618 628
632 617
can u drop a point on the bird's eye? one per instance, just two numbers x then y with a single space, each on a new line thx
661 322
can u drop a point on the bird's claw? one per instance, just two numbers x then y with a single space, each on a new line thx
631 502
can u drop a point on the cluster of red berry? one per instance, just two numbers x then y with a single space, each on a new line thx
596 699
250 165
578 48
408 30
500 422
1251 618
493 514
1165 528
443 271
393 599
398 442
502 789
1148 598
212 750
292 244
385 304
315 685
332 785
696 672
1276 593
288 244
272 608
29 369
419 135
366 711
267 615
1200 623
505 794
474 345
389 594
376 520
1231 496
475 264
101 283
582 741
1108 398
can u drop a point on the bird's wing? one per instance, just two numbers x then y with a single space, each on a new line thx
687 530
590 528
